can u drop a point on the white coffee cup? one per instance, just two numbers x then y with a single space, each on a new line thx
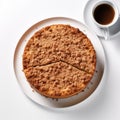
114 18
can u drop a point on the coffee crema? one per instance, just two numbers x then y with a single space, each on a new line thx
104 14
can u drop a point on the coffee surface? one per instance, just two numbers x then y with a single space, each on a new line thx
104 14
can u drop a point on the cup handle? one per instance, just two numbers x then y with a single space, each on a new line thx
106 33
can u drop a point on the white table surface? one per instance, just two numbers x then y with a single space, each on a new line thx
15 18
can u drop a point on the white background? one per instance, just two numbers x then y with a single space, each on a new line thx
15 18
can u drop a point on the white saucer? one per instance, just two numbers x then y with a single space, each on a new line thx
113 31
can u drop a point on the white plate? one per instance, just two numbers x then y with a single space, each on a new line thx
113 31
48 102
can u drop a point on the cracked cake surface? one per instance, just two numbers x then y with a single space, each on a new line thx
59 61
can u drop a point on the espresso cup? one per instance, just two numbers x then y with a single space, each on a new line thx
105 14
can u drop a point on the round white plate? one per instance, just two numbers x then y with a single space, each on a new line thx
53 103
113 30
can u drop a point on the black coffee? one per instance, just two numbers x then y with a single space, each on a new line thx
104 14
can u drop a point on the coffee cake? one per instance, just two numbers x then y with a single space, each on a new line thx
59 61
